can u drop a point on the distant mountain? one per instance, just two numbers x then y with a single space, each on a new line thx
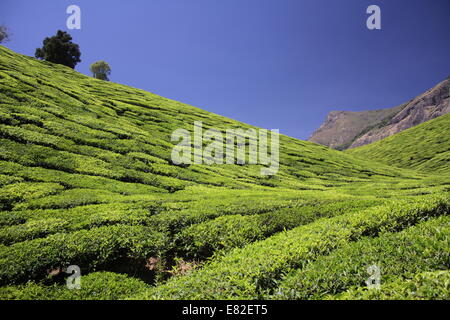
346 129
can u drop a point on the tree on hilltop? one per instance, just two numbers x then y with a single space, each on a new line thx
100 70
4 34
60 49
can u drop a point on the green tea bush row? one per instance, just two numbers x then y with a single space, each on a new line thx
26 225
203 210
89 249
73 180
74 208
35 155
22 135
17 192
94 286
422 247
6 179
423 286
250 272
70 198
226 232
31 230
423 147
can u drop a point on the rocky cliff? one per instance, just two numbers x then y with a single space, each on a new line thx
347 129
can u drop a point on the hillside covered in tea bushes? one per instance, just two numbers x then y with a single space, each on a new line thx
425 147
86 178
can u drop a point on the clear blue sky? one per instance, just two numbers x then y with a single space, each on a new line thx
271 63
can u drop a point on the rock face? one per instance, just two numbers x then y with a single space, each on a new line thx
341 127
346 129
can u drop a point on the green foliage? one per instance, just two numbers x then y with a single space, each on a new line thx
425 147
17 192
94 286
100 70
226 232
86 178
423 286
60 49
423 247
253 271
89 249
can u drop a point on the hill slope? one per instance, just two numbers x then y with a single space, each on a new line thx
107 130
87 179
345 129
425 147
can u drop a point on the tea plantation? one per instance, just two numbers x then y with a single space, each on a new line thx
86 178
425 147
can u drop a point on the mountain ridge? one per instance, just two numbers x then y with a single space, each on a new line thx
349 129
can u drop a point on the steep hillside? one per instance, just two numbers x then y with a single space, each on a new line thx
344 129
57 119
425 147
87 179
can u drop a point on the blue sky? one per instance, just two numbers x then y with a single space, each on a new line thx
277 64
